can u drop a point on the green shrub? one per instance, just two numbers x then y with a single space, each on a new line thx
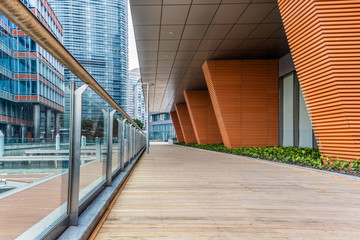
310 157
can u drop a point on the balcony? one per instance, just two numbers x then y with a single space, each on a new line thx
225 73
179 192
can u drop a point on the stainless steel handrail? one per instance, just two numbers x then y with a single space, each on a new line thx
22 17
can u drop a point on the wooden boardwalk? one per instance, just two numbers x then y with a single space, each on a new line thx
183 193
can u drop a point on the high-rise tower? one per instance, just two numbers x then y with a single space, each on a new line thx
95 33
136 103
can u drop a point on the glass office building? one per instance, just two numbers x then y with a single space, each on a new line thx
136 103
32 81
95 33
161 127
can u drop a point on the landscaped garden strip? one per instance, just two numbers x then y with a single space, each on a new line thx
309 157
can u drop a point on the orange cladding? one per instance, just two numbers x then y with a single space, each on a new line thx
185 123
177 126
244 94
324 39
202 117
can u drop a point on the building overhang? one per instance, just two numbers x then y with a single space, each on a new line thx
175 37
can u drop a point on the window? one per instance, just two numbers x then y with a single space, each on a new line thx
33 87
22 87
294 122
33 66
288 110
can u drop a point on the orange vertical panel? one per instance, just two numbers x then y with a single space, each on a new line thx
244 94
324 40
185 123
202 117
177 126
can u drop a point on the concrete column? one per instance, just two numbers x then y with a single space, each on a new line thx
57 122
23 133
2 146
83 141
8 131
48 124
36 121
57 145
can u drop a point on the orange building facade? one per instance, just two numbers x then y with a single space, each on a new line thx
274 73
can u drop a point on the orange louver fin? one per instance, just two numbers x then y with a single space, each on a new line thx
324 39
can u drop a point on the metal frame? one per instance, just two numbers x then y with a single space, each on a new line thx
296 109
281 110
75 157
109 147
119 141
134 141
147 119
128 135
122 159
126 144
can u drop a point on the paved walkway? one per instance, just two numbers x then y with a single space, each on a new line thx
183 193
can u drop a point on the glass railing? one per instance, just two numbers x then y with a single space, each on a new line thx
94 131
60 144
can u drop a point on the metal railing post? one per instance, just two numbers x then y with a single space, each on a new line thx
109 147
120 140
131 143
122 161
126 150
75 155
147 119
128 138
134 141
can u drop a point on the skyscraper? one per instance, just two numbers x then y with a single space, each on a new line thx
31 80
95 33
135 94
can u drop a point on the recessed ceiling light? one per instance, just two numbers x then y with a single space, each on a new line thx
171 33
166 55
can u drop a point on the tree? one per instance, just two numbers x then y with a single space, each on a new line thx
99 131
138 122
87 127
92 130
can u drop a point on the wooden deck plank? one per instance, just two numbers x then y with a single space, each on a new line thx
183 193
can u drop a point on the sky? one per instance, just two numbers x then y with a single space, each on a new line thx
133 59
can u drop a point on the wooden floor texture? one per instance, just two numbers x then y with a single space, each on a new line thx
178 192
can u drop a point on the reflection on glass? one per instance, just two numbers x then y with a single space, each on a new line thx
34 138
288 111
116 141
127 144
35 125
94 131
